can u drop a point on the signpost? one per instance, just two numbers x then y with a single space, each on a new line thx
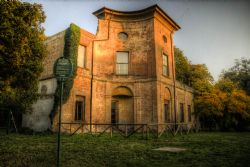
63 69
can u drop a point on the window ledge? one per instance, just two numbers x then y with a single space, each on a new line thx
84 68
166 76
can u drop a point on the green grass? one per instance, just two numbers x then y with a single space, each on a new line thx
203 149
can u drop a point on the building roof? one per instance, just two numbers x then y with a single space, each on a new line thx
107 13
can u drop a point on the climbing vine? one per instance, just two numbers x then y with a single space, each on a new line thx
72 38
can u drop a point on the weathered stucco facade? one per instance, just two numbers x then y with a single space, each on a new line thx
127 74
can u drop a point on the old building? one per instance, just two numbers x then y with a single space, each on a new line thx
125 73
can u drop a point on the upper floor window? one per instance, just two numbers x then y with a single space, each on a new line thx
164 39
165 69
122 63
81 59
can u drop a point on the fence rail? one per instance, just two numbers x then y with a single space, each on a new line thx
127 130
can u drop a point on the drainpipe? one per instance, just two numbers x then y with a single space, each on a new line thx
173 73
92 73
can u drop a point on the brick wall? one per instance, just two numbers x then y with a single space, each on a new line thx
149 88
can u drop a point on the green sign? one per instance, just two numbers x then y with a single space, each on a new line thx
63 69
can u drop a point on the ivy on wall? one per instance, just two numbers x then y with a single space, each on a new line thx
72 38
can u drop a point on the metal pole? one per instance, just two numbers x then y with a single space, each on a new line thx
173 73
59 127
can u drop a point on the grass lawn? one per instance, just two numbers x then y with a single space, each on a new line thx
203 149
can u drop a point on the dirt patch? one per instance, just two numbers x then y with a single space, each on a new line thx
170 149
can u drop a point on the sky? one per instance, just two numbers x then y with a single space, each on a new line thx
212 32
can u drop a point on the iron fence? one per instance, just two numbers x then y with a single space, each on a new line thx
127 130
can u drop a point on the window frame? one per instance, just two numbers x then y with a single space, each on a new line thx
165 64
116 63
182 113
84 56
80 117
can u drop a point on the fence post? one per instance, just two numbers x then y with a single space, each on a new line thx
70 128
8 122
126 130
157 131
147 131
111 131
143 127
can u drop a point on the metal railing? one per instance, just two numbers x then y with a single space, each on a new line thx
127 130
173 128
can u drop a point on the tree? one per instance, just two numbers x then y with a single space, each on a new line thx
207 103
182 66
236 104
209 108
194 75
21 52
240 74
225 104
200 76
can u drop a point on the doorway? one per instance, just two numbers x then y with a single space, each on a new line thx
114 112
122 106
166 111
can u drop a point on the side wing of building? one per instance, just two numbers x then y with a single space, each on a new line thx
39 119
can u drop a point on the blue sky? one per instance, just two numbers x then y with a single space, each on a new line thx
212 32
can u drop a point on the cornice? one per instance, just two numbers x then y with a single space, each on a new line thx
139 15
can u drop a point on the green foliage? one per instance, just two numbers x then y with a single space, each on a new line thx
209 108
240 74
224 104
199 72
182 66
21 53
72 37
194 75
236 112
225 85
